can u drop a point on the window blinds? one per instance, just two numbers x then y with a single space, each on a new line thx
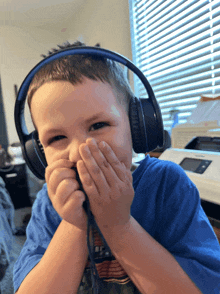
177 46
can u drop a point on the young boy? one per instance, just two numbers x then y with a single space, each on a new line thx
159 237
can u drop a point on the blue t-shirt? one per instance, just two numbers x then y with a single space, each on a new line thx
166 204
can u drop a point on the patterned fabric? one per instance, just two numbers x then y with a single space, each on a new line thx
112 276
106 287
109 269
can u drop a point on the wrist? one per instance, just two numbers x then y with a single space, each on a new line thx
80 224
116 231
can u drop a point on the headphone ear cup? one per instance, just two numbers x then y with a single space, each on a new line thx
146 125
138 133
34 155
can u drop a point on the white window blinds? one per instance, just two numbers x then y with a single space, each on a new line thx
177 46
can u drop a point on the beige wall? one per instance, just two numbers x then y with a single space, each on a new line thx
20 51
105 22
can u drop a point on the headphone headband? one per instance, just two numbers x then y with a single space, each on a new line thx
20 102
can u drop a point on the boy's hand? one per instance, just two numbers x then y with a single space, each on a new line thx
107 182
63 192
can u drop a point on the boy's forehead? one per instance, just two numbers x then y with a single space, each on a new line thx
89 98
89 90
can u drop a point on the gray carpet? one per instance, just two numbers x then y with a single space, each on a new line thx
6 284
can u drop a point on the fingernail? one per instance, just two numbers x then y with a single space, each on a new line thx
86 148
93 141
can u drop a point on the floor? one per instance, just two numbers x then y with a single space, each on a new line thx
6 285
20 214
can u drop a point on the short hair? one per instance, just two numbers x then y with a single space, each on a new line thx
74 68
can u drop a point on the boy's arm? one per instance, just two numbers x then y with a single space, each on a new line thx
108 184
149 265
62 265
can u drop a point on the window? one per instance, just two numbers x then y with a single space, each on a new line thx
176 44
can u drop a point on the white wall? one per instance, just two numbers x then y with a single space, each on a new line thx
105 22
20 51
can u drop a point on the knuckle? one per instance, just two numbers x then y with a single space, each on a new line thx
70 184
104 163
75 182
60 163
56 172
47 172
115 162
88 181
47 169
95 169
67 182
60 174
79 196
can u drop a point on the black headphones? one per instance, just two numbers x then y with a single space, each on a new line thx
144 114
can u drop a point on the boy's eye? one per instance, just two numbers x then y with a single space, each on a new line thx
54 139
94 127
99 125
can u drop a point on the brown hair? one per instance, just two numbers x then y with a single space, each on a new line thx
74 68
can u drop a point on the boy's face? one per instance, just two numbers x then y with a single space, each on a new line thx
66 115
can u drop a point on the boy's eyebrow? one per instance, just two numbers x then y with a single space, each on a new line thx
53 130
94 117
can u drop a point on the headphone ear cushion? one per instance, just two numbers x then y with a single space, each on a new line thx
146 125
34 155
138 130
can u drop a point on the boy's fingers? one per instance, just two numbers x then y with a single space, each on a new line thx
64 190
59 163
110 156
58 175
107 161
90 161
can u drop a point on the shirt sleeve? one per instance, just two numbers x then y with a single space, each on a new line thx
40 230
186 231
